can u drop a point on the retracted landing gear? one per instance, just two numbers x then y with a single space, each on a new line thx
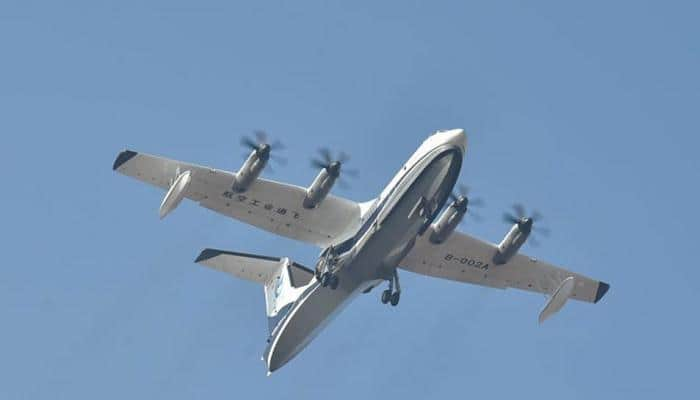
324 270
390 295
329 280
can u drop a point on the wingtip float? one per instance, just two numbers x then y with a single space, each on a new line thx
176 193
558 299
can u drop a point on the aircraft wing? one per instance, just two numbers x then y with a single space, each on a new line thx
466 259
273 206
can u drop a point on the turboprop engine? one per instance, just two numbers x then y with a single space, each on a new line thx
321 185
326 178
452 216
448 220
512 242
256 161
518 234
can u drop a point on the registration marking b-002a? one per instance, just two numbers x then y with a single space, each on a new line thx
471 262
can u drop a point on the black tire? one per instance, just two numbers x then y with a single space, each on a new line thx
395 298
334 281
386 296
325 279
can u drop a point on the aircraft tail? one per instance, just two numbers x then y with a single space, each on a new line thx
282 279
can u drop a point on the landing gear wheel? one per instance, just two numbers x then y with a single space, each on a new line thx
333 282
386 296
395 298
329 280
325 279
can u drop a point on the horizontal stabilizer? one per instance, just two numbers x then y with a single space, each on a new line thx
252 267
245 266
283 280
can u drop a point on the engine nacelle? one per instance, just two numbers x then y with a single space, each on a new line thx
512 242
251 169
446 223
319 188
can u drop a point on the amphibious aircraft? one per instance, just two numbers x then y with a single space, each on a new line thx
408 226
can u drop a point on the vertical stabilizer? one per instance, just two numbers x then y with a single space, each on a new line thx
281 293
282 279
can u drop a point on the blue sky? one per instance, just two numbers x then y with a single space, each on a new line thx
586 111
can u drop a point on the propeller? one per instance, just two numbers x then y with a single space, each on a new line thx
461 199
261 139
520 217
333 165
260 143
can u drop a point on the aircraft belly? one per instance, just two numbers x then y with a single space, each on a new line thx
315 309
397 230
318 305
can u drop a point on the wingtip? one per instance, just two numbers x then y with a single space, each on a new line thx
122 158
206 254
602 289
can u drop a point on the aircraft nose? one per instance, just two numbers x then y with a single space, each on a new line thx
456 137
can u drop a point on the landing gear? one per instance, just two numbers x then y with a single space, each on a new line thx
329 280
325 266
395 298
325 279
386 296
390 295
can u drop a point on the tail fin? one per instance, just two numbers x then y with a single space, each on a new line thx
282 279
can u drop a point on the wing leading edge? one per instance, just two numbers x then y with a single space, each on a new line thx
273 206
466 259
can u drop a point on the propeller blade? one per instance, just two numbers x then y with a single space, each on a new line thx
318 164
326 154
342 183
277 145
453 196
261 136
248 142
533 242
510 218
519 210
463 190
326 159
353 173
542 231
478 202
279 159
477 217
536 216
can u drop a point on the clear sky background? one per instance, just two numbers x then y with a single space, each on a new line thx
587 111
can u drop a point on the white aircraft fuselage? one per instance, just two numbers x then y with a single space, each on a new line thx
388 231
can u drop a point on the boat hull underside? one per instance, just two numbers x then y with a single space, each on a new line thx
316 307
